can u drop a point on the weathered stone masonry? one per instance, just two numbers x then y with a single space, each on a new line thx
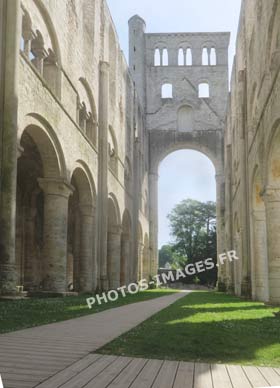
82 137
252 154
74 160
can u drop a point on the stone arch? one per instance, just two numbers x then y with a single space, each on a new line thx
259 261
41 47
113 242
87 113
40 166
126 240
272 204
51 29
47 142
81 231
213 156
164 143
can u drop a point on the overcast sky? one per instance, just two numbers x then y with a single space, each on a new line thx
183 174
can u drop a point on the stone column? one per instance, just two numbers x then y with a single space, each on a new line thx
140 260
10 29
260 289
102 208
272 204
197 56
86 248
173 57
29 257
56 195
114 257
153 183
220 188
238 246
125 257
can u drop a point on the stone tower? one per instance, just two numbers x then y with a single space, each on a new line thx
182 79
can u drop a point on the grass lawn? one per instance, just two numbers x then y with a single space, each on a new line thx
206 326
20 314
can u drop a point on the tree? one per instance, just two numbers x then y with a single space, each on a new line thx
167 255
193 226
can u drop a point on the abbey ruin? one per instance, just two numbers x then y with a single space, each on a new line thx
83 133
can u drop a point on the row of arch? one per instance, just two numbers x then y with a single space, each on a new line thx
33 47
203 90
56 222
264 228
41 50
208 57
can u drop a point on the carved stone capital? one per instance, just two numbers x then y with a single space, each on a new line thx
271 194
58 187
104 67
115 230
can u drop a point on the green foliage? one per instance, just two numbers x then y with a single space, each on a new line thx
165 255
193 227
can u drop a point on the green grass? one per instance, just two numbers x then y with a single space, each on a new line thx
20 314
206 326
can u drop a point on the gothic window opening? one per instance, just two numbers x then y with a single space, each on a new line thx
157 57
181 57
205 59
203 90
167 91
165 57
189 57
213 57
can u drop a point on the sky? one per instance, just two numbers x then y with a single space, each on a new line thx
183 174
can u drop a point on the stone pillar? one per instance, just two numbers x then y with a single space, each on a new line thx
56 195
259 265
114 257
140 260
76 249
125 258
29 256
272 204
173 57
220 197
238 246
197 56
102 208
153 183
10 29
86 248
